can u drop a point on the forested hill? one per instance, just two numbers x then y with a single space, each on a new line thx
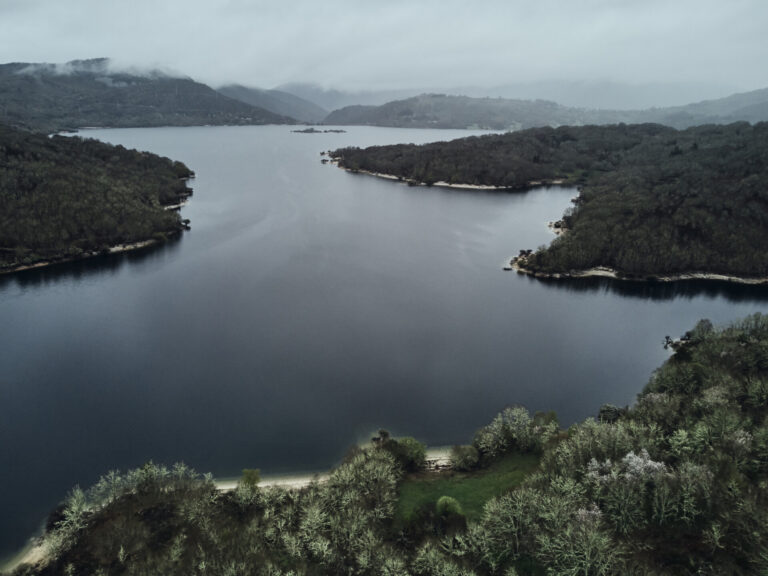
654 200
746 106
674 485
66 197
51 97
442 111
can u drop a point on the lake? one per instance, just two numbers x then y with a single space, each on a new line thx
307 308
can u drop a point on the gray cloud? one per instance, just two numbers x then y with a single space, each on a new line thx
396 44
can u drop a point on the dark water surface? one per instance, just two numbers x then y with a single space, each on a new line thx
307 308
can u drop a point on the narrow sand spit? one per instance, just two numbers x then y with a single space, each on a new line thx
438 458
32 554
290 482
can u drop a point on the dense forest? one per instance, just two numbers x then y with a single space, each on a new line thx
654 200
54 97
69 197
676 484
447 111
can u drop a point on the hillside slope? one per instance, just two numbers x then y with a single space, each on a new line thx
444 111
51 97
63 198
277 102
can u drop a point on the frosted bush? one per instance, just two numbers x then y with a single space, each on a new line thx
641 467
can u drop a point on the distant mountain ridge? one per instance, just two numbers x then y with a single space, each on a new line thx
333 99
444 111
50 97
277 102
602 94
747 106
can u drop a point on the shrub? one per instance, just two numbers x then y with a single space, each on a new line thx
514 429
448 506
464 458
408 452
251 477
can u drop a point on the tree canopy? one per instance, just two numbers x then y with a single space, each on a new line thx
675 484
68 197
654 200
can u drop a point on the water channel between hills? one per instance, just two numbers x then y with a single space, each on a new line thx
307 308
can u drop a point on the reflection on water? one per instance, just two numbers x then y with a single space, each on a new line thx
307 308
660 291
100 265
109 265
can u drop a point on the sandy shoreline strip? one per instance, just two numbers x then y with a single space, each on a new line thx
117 249
596 272
444 184
287 481
606 272
33 553
438 457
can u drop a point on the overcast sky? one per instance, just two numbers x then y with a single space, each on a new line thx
381 44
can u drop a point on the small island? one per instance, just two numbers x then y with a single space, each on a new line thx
64 198
654 202
312 130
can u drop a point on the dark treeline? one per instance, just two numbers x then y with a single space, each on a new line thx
654 200
67 197
673 485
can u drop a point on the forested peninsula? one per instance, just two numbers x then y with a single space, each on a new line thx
674 485
64 198
655 202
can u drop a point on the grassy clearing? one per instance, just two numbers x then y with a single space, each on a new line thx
471 489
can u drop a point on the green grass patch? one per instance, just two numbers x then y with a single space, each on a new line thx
471 489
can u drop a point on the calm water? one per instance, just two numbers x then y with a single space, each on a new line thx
307 308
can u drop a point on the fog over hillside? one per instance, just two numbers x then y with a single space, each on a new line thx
590 54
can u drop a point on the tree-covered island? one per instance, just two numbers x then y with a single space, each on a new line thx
675 485
64 198
655 202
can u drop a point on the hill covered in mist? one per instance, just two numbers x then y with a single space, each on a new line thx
277 102
445 111
50 97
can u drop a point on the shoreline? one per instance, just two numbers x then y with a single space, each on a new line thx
444 184
610 273
287 481
116 249
558 229
33 553
437 459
